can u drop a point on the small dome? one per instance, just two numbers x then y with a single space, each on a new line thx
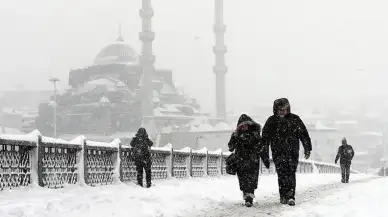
118 52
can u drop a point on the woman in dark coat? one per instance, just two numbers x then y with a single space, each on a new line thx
141 156
245 142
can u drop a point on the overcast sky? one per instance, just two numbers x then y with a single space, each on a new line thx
299 49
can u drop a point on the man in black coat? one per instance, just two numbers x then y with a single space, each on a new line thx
246 144
346 154
141 156
282 131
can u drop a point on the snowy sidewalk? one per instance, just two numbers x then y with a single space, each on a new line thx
266 203
360 200
168 198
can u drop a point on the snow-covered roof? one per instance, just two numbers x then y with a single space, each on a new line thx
360 153
117 52
12 111
155 99
202 127
350 122
103 82
222 126
167 89
370 133
120 84
320 126
199 120
158 111
170 108
104 100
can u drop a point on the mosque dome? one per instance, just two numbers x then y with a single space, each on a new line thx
117 52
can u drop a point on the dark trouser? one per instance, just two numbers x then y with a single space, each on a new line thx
139 169
286 178
345 171
248 178
248 181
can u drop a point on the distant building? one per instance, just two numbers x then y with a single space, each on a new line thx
106 98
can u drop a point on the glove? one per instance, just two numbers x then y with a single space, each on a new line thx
307 154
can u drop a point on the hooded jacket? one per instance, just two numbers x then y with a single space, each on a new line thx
345 153
284 133
246 141
140 146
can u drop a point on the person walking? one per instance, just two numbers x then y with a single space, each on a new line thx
141 156
245 143
345 154
282 132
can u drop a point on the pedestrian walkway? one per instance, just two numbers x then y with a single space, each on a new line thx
168 198
308 199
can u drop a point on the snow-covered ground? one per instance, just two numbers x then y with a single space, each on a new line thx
167 198
364 199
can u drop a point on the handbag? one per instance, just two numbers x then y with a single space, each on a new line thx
231 164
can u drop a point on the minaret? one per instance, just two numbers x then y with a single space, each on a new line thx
219 50
120 35
147 58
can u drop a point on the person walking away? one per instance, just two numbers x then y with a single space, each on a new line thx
345 154
283 131
141 156
245 142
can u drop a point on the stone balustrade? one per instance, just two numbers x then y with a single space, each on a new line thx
53 163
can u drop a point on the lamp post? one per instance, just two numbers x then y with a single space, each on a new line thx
54 81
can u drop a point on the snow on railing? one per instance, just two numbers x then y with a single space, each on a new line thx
54 163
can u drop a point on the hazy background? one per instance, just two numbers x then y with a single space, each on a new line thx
328 50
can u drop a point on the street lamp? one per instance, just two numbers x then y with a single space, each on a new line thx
54 81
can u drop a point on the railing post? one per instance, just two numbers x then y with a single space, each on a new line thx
116 160
120 153
80 159
220 164
85 162
206 164
190 164
170 164
34 162
40 161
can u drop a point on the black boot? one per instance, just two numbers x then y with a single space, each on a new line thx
283 200
291 202
249 199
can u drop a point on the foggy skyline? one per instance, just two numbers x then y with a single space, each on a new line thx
297 49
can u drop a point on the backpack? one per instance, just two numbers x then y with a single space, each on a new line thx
140 151
347 152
